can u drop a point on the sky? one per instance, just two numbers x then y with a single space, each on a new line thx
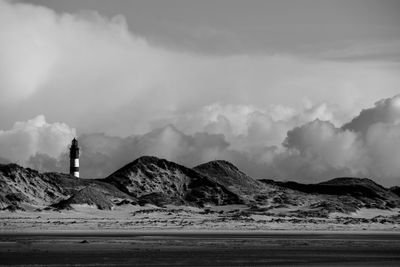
289 90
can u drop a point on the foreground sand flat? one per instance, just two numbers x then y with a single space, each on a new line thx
200 249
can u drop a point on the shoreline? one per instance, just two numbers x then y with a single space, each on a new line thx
200 232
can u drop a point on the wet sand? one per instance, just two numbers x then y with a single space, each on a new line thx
200 249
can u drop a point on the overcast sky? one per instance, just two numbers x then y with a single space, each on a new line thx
276 87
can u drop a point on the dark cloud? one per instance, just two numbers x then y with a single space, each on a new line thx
384 111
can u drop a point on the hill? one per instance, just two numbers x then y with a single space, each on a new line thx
155 180
150 180
231 177
363 191
24 188
19 186
395 190
101 196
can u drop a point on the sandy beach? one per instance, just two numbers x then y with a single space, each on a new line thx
182 218
188 236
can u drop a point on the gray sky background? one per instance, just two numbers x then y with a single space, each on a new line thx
265 84
234 26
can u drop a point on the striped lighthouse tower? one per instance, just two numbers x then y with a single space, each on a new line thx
74 158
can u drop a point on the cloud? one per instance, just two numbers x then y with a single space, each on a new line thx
284 143
27 138
383 143
247 127
277 143
86 70
384 111
325 150
367 146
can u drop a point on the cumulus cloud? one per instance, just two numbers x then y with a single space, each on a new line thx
304 151
384 111
322 144
324 150
367 146
284 143
248 127
383 143
27 138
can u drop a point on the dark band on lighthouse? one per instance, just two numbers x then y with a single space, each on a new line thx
74 158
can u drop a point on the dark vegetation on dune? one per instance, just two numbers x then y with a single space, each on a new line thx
98 195
395 190
155 180
150 180
230 176
373 194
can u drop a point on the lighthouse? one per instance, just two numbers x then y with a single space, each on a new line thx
74 158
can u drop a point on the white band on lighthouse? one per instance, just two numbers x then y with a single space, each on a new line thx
76 162
76 174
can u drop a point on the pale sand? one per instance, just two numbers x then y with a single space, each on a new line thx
151 218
